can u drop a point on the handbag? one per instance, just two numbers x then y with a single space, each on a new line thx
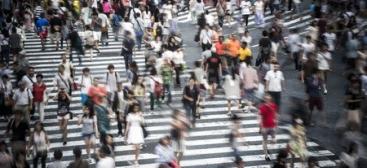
145 131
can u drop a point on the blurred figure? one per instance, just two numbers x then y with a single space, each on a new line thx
312 162
281 161
57 163
179 132
78 162
235 136
5 158
105 161
107 141
297 143
166 156
349 158
17 130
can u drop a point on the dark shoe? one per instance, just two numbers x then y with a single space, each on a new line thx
267 158
64 143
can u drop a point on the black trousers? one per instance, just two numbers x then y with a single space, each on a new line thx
277 96
42 156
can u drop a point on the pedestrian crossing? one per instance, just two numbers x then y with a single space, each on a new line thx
207 144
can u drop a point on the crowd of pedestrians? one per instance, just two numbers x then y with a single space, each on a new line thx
255 83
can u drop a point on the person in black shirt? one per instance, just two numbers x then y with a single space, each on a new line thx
56 25
75 44
213 67
265 48
127 49
17 130
191 95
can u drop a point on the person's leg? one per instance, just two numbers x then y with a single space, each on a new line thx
178 72
229 107
169 93
43 159
35 160
151 96
42 111
246 20
136 153
265 143
87 146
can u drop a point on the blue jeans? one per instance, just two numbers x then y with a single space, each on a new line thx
190 109
250 95
128 57
139 39
167 88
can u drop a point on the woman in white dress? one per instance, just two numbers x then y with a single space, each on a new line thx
232 89
134 131
86 14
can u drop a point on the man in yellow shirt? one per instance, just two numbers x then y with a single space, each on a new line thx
245 52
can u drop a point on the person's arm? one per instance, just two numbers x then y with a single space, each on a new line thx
95 126
30 143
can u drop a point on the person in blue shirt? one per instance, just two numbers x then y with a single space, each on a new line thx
41 27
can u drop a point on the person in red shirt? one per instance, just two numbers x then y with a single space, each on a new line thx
97 93
39 92
268 122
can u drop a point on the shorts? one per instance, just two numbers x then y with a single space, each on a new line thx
55 36
179 145
315 102
89 136
97 35
213 78
266 132
84 99
15 51
43 34
65 117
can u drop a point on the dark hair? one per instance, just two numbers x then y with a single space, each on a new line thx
39 76
77 152
163 138
282 154
105 150
131 107
265 33
110 66
197 63
5 76
153 72
58 154
86 70
41 124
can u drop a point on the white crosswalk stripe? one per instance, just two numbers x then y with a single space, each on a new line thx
207 145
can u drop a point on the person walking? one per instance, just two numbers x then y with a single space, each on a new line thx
314 85
275 84
40 94
155 89
246 11
191 95
259 13
134 130
78 161
297 143
179 132
231 86
57 162
104 160
23 100
17 130
85 82
128 45
119 105
166 71
89 130
268 122
165 153
40 143
63 112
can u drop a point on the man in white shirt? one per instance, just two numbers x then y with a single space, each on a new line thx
112 78
294 43
29 79
330 39
23 99
206 38
104 24
259 13
275 84
85 82
246 11
105 161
